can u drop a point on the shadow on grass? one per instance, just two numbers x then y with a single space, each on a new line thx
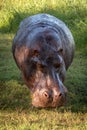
8 68
14 95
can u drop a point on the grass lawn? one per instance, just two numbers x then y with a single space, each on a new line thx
16 112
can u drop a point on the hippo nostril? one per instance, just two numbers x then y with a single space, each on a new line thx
60 94
45 94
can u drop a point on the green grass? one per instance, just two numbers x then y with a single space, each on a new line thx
16 112
42 120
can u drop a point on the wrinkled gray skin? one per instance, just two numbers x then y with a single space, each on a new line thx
43 49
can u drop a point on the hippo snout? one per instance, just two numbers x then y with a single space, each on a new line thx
53 95
43 49
48 99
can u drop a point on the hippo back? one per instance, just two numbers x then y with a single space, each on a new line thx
35 21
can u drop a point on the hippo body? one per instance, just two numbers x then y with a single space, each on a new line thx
43 49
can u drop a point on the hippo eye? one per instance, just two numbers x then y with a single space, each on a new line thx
36 53
60 51
56 65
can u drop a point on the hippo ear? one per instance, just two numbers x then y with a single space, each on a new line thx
60 51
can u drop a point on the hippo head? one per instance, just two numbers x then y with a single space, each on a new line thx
40 58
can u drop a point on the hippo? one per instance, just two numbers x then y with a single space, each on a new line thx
43 49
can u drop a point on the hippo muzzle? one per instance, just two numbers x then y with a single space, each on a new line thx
43 49
49 92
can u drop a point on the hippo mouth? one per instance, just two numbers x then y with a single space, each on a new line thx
47 101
